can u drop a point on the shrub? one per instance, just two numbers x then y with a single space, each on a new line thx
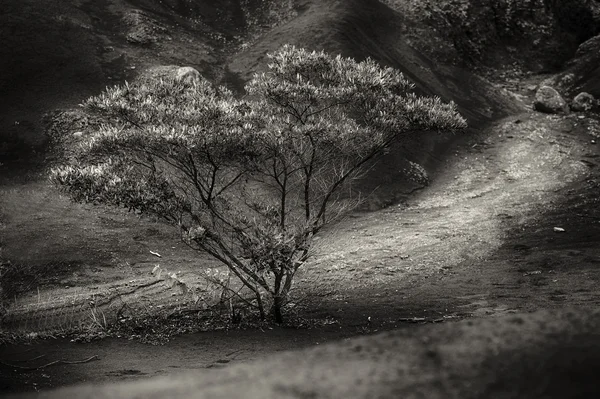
249 181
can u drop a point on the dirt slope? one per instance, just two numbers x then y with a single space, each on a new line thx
87 45
368 28
69 246
478 241
543 355
57 53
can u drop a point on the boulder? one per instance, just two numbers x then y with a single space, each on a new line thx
584 69
188 75
550 101
583 102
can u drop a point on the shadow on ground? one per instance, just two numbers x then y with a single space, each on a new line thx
542 355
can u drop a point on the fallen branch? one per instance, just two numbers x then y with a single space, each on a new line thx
54 363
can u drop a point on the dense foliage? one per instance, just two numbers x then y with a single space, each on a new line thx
548 30
250 181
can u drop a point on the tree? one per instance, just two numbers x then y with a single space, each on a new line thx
249 181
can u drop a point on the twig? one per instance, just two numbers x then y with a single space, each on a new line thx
226 288
156 254
54 363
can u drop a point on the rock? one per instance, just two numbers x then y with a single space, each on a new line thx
584 67
532 88
188 75
550 101
140 37
587 49
583 102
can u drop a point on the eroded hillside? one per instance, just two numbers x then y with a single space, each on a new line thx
56 53
507 224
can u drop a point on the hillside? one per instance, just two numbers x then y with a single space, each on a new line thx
506 222
56 53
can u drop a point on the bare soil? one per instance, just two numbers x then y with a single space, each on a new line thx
544 355
121 359
480 241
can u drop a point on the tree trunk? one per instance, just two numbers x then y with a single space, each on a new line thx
276 309
261 307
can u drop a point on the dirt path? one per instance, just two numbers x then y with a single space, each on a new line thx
479 241
120 359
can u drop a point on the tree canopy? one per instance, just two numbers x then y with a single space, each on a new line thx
249 180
